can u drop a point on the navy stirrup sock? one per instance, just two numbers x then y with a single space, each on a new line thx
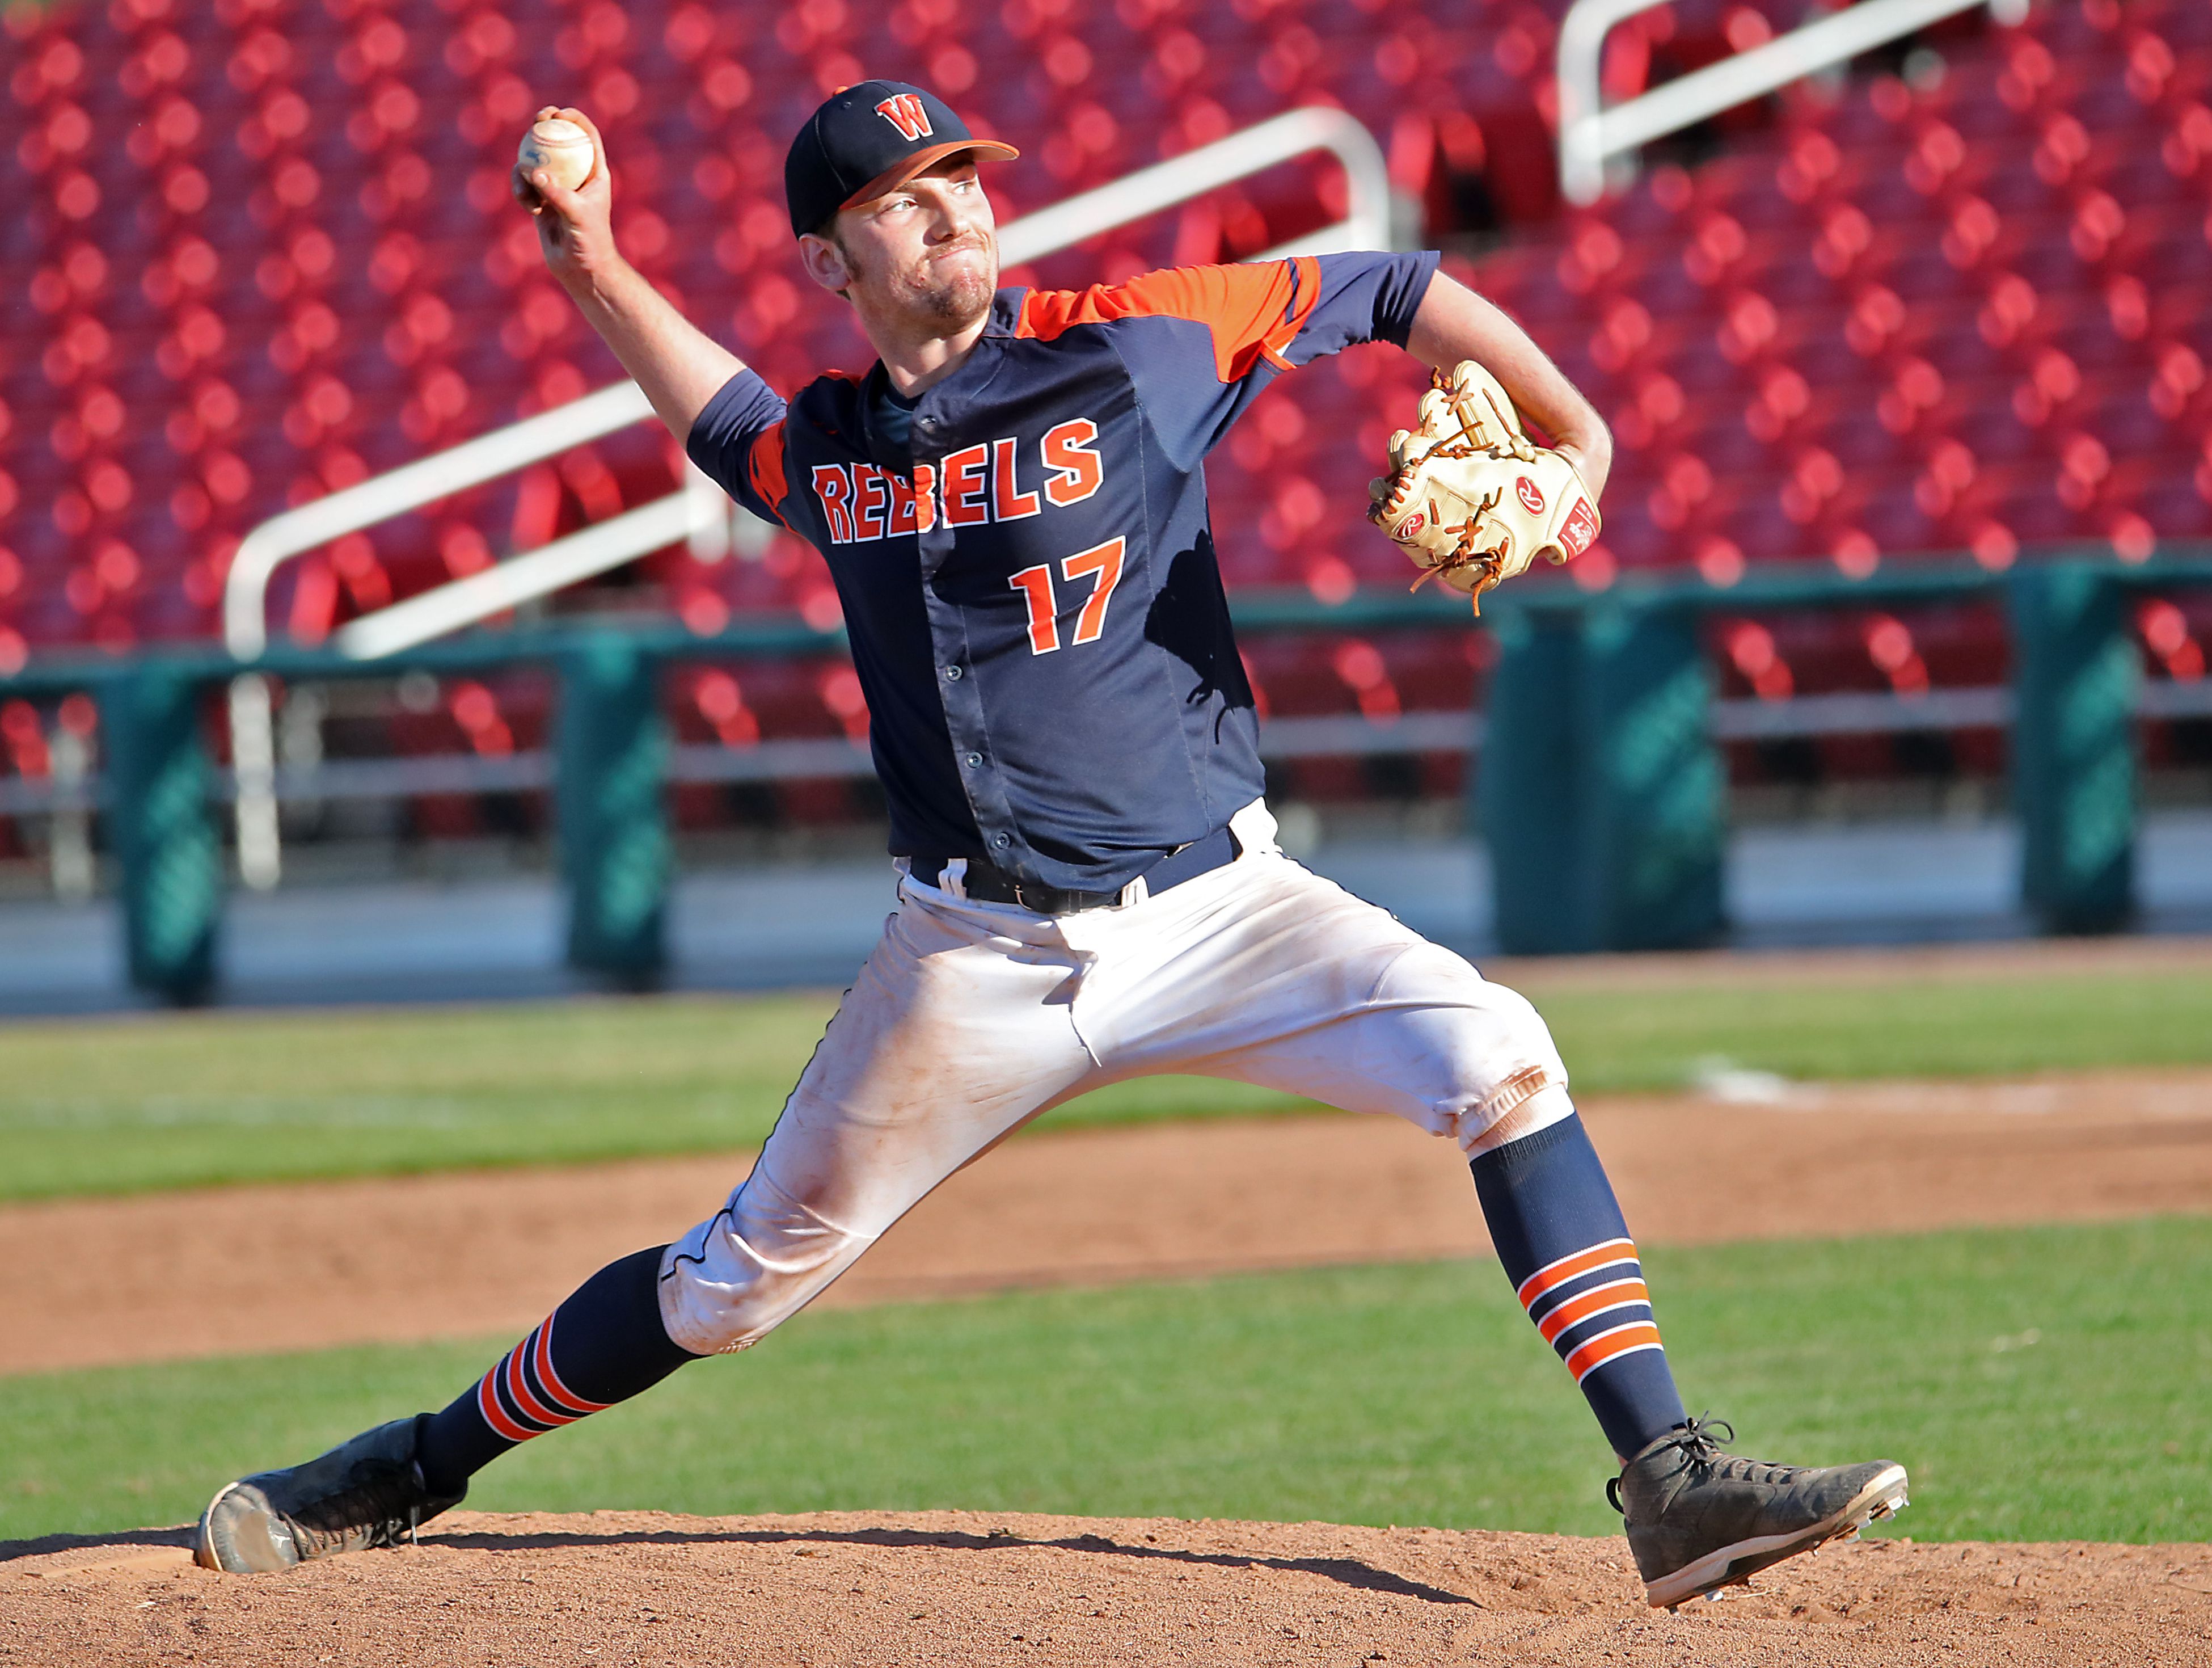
1559 1233
603 1345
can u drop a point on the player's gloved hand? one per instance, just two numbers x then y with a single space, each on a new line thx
1470 498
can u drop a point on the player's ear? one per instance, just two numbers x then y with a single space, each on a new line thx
825 263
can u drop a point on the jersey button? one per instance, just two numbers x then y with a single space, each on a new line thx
974 761
1001 841
953 674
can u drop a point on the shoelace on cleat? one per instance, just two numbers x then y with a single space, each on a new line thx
379 1503
1698 1450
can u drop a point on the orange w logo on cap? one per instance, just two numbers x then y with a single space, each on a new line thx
904 111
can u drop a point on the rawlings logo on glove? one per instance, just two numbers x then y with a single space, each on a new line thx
1470 497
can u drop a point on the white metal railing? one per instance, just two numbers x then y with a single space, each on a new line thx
1589 133
1367 224
488 457
1873 712
594 549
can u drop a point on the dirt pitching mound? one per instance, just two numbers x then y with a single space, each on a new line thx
853 1589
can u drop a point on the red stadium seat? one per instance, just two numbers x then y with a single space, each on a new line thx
1680 305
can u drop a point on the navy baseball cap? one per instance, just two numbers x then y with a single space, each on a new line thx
866 139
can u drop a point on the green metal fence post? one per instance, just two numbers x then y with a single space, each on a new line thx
1601 791
613 823
1655 788
2074 680
160 828
1529 791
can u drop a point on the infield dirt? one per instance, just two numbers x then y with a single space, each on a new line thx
467 1254
860 1589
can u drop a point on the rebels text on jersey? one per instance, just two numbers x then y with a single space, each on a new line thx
1029 583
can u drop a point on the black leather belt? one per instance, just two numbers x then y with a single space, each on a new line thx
987 883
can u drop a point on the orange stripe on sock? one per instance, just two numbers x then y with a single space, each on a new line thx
576 1404
1621 1341
494 1416
517 1385
1558 1274
1614 1294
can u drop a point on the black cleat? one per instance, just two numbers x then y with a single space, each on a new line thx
1699 1519
365 1492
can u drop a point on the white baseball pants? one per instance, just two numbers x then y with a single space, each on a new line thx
971 1019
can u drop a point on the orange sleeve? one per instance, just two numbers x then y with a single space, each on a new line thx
1254 312
766 469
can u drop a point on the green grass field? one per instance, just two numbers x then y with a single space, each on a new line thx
164 1101
2041 1384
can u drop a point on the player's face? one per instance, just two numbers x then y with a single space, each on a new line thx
927 254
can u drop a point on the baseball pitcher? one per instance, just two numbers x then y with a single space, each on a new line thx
1012 502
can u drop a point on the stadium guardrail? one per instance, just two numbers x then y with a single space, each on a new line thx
1589 132
1603 790
1601 793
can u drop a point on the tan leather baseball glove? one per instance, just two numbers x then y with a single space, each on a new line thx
1470 497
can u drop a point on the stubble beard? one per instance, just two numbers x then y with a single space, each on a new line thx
944 302
955 301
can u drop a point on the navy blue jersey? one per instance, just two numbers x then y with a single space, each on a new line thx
1029 583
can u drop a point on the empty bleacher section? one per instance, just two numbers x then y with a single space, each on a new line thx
265 249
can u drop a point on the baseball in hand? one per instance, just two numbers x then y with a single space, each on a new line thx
563 149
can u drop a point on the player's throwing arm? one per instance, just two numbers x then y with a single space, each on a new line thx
679 365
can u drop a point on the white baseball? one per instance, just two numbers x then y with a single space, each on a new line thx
563 149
